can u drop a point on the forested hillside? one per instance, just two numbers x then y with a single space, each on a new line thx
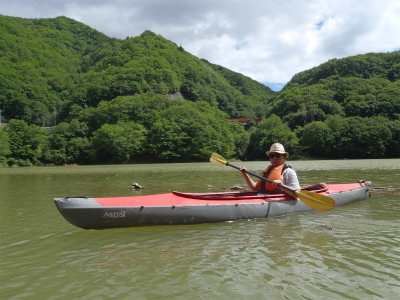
147 99
346 107
51 64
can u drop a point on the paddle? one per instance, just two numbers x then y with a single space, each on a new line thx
314 200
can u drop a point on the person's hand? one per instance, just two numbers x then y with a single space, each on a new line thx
276 182
243 169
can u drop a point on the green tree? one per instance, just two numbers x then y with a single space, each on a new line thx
78 150
241 139
318 139
119 142
269 131
26 141
357 137
4 145
393 149
372 137
191 132
340 128
65 140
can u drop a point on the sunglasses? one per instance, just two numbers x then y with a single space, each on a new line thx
273 155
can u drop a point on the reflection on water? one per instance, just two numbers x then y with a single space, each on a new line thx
351 252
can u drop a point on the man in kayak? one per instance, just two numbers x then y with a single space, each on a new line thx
278 172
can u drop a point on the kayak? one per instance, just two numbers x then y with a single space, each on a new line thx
178 208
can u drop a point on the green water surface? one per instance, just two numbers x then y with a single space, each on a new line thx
350 252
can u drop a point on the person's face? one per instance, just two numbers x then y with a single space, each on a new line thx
277 159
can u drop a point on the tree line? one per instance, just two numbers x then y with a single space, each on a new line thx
150 127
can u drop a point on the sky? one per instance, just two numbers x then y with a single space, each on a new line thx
267 40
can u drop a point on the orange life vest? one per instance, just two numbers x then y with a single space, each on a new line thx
272 173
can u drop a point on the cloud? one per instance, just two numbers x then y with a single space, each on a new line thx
267 40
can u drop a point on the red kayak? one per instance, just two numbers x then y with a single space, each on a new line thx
193 208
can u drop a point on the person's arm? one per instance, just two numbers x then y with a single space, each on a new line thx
290 179
249 181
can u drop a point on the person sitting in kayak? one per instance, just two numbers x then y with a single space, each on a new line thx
278 172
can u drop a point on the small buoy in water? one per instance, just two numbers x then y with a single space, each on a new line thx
136 186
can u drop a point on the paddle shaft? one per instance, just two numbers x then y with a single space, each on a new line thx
314 200
263 178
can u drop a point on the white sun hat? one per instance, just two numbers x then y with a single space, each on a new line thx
277 148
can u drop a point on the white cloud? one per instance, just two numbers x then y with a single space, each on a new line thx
267 40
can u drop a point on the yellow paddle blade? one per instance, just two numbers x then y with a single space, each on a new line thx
218 160
316 201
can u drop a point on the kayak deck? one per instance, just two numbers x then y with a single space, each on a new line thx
179 198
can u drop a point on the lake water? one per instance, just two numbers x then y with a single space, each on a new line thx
42 256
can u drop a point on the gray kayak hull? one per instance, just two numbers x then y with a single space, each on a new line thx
175 209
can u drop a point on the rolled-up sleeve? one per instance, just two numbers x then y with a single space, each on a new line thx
290 178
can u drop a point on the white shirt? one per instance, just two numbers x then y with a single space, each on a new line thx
290 179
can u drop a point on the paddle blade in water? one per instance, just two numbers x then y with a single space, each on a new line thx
316 201
218 160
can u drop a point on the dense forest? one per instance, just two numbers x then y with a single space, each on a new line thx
70 94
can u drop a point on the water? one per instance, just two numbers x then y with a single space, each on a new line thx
351 252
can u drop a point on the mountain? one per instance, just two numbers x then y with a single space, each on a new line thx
357 86
50 64
145 98
365 66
